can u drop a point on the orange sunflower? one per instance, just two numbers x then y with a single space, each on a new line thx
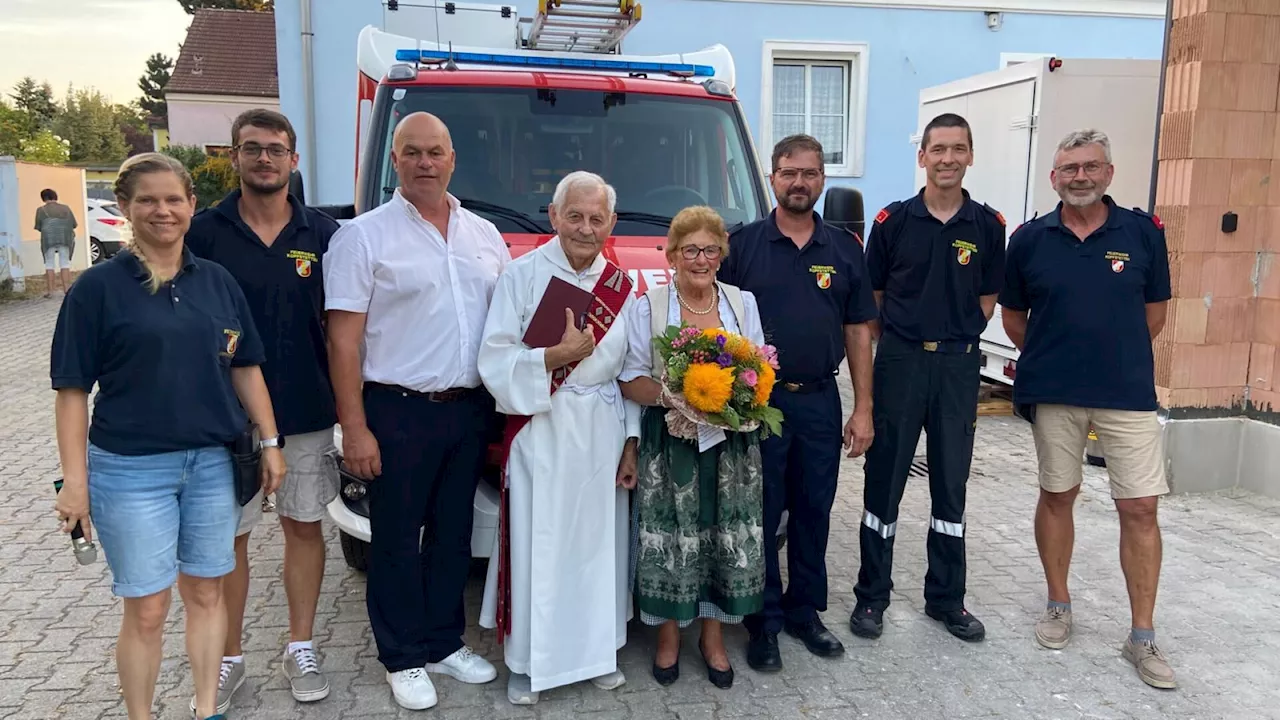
708 387
764 384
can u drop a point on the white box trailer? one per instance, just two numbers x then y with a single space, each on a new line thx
1018 115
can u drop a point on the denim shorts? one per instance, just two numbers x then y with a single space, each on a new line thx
158 515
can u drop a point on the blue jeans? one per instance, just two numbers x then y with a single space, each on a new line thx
158 515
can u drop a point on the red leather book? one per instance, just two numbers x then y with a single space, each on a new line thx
548 324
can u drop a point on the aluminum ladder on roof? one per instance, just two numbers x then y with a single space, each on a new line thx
595 26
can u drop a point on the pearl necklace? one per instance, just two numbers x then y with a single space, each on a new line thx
715 297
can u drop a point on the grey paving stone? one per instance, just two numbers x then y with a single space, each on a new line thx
1219 595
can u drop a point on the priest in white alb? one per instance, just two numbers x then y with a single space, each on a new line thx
557 589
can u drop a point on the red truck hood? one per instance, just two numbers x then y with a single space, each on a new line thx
642 256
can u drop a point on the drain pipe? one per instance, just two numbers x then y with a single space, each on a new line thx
1164 68
308 101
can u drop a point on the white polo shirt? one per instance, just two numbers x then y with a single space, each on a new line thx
425 299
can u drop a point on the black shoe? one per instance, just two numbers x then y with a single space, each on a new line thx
815 636
763 654
959 623
722 679
666 675
867 622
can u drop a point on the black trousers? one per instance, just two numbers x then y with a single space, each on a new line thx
800 470
936 391
432 456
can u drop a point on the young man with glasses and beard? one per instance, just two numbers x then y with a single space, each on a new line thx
815 302
273 246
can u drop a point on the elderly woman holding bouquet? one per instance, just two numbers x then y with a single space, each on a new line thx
698 365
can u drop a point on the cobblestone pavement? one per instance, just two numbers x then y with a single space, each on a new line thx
1219 597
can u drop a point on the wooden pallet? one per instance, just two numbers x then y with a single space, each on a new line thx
995 400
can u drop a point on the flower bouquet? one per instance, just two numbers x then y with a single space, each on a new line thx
717 378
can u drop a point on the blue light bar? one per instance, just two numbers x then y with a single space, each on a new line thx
413 55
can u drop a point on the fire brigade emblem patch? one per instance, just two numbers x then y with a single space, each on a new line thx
303 267
824 279
233 341
962 256
1117 266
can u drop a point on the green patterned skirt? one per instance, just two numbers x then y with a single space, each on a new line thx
697 526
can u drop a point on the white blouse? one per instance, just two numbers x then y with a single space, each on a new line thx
639 359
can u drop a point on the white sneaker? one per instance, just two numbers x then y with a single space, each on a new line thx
611 681
412 689
465 666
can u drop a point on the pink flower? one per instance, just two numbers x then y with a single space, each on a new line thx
749 377
770 356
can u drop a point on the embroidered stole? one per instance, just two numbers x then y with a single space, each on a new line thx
610 293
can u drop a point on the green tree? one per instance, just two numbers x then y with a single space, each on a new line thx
35 101
45 147
213 179
261 5
13 130
90 122
132 122
190 156
152 82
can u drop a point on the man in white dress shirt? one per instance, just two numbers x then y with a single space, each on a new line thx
558 594
410 282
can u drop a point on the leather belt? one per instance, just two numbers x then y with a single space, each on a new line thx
439 396
948 346
806 387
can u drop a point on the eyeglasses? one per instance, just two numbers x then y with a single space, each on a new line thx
691 252
790 174
252 151
1091 169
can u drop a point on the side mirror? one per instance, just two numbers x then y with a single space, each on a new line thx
843 209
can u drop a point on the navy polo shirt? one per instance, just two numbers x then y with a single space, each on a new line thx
162 362
806 295
1087 341
933 273
284 285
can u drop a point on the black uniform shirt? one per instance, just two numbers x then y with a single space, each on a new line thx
1087 339
162 362
285 289
932 273
806 295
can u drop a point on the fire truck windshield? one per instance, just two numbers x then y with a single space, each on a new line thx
661 153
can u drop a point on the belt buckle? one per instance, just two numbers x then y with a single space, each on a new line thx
931 346
792 387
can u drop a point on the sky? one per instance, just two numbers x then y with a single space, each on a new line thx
100 43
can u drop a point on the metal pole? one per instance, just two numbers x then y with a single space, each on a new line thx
1164 68
308 103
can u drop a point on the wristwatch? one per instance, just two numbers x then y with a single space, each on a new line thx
275 442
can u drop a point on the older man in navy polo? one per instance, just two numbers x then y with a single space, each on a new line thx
273 246
1086 293
815 304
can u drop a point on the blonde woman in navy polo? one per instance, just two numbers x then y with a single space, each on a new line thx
170 343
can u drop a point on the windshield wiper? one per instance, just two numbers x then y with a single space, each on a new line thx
524 221
644 217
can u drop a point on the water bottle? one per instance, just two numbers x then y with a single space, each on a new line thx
86 552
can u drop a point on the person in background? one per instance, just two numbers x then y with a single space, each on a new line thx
273 246
407 288
810 281
936 262
171 344
716 583
1086 292
57 226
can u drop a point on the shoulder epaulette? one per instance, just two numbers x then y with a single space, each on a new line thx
993 211
1155 219
887 210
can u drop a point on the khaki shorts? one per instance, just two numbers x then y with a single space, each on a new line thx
1132 443
309 486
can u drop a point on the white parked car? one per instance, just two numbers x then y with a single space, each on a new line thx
105 225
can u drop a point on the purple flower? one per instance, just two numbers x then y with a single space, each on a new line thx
725 360
720 340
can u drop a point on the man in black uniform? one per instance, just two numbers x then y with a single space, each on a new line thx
273 246
809 279
936 262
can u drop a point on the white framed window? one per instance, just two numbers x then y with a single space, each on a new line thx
817 88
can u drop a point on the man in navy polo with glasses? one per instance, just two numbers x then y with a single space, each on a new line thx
815 305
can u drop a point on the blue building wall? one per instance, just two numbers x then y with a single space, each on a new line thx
909 50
